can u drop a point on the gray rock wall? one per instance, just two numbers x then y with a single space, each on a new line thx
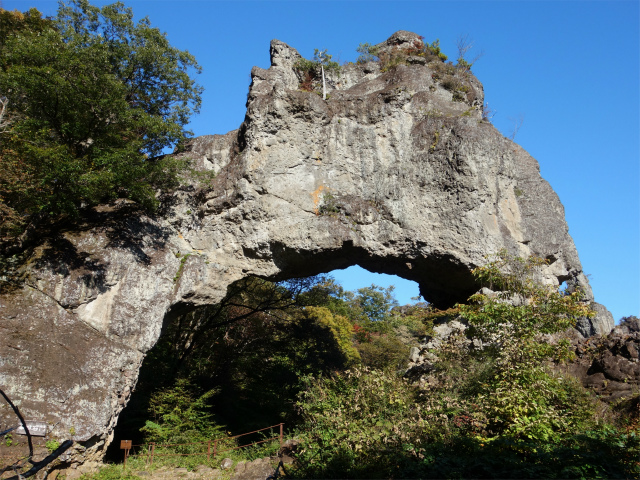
393 172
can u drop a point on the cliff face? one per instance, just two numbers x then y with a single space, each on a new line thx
396 171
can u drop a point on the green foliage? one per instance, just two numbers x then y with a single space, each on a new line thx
465 44
371 424
434 49
371 324
111 472
310 70
251 350
371 307
306 66
463 64
52 445
494 411
181 413
455 80
524 398
182 426
330 204
522 308
354 423
399 56
322 58
183 262
368 53
340 328
492 408
382 352
92 98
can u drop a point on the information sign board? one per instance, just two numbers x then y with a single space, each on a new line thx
36 429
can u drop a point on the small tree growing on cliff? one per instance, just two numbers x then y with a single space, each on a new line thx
309 68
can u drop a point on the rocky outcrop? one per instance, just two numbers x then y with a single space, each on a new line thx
396 171
610 364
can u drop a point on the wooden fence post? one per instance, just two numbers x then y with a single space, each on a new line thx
281 434
126 446
153 449
208 450
215 447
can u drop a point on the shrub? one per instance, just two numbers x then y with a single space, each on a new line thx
340 330
353 423
450 83
434 49
491 411
383 351
399 56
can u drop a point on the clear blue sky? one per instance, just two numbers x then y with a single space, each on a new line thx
569 67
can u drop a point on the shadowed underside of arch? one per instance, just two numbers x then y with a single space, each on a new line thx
393 172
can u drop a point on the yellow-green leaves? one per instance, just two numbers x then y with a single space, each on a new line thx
340 328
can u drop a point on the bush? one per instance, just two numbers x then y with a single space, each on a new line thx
382 352
354 422
434 49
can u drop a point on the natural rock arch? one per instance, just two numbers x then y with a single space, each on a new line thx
393 172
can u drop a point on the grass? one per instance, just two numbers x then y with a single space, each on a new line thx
138 463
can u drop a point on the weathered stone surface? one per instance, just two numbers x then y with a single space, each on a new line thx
257 469
610 364
393 172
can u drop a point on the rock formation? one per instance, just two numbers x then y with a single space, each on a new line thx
396 171
610 364
606 364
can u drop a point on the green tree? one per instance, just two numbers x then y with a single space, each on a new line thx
181 413
251 349
91 98
340 329
376 302
368 53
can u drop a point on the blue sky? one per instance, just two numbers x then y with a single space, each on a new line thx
569 68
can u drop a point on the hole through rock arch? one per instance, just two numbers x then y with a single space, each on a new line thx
440 280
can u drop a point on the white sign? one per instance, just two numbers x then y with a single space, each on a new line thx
37 429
